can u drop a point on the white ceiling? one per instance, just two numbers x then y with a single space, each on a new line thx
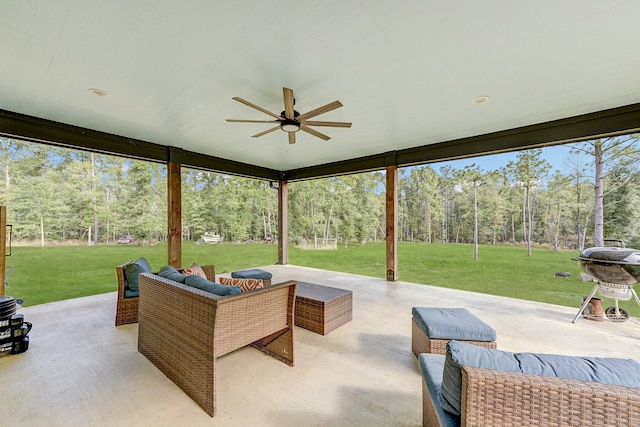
406 71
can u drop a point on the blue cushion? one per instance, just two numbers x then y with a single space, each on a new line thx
128 293
452 324
605 370
214 288
169 272
132 270
432 368
462 354
254 273
624 372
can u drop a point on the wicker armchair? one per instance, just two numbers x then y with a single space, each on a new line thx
499 398
182 330
127 308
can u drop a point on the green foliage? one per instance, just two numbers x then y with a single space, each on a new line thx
47 274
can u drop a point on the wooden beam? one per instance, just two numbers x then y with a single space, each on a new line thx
392 223
174 207
614 121
35 129
283 222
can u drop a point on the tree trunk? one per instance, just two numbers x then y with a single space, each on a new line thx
530 218
475 221
94 200
328 223
598 210
524 214
42 230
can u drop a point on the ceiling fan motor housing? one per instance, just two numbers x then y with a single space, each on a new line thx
295 114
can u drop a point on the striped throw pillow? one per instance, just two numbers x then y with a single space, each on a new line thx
243 284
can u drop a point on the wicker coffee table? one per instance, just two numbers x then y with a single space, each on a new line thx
322 309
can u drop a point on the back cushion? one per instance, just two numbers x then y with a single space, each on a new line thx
214 288
605 370
625 372
133 269
169 272
461 354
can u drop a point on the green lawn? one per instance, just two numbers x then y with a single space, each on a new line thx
40 275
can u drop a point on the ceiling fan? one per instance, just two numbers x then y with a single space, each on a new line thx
291 121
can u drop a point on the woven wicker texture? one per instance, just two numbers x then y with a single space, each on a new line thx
508 399
429 417
322 309
127 308
497 398
182 330
421 343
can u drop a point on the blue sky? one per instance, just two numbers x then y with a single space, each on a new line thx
554 155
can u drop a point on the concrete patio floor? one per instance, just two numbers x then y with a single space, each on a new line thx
80 370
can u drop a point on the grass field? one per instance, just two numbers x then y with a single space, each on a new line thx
41 275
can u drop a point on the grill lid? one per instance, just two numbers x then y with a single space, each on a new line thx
612 264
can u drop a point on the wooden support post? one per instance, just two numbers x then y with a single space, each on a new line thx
283 222
392 223
3 246
174 206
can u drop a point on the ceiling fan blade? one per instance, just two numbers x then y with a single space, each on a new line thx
292 137
288 103
320 110
266 131
332 124
252 121
314 132
256 107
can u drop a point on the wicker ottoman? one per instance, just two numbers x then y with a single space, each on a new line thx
322 309
433 328
254 273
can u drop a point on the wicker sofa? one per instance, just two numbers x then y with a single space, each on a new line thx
182 330
127 301
491 397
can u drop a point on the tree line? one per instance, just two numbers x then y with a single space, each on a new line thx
55 194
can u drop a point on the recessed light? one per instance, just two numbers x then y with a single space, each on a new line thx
99 92
480 100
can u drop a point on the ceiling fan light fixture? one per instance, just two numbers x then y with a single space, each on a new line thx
289 125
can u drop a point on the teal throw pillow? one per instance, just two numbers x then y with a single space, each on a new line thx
169 272
214 288
133 269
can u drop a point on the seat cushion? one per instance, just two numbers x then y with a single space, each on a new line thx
432 368
254 273
132 270
128 293
624 372
214 288
452 324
